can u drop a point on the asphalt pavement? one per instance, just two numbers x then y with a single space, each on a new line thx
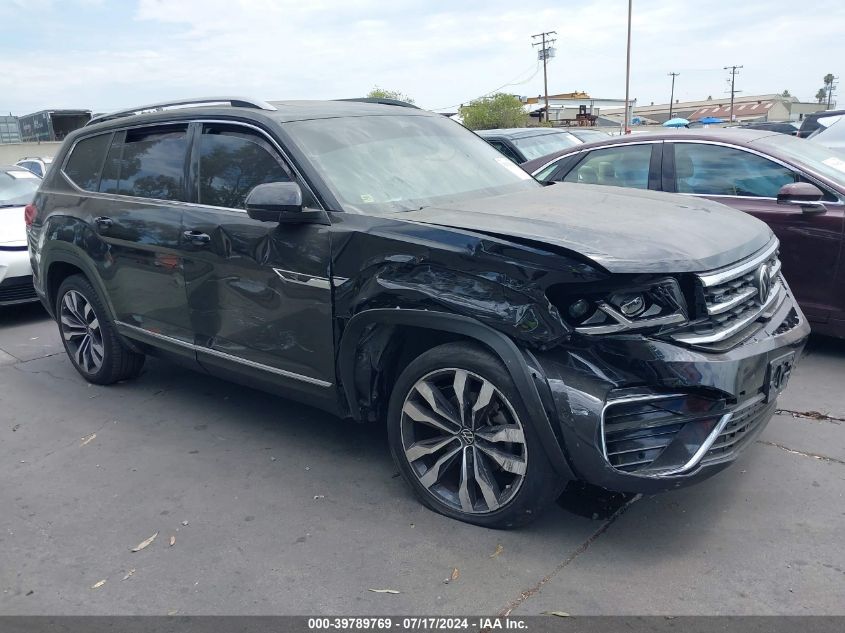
263 506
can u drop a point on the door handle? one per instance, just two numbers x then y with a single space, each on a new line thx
103 223
197 238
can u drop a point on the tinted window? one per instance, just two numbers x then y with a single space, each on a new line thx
504 149
717 170
625 166
231 163
544 144
147 163
86 161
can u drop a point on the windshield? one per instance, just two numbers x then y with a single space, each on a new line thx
808 154
381 164
17 188
544 144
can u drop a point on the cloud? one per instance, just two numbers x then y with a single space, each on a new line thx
105 56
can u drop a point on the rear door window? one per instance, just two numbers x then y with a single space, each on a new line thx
85 163
147 163
233 160
624 166
709 170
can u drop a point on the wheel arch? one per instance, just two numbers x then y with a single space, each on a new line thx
62 262
440 327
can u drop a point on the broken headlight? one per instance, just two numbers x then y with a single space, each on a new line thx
653 305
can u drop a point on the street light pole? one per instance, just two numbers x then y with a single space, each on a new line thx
733 70
625 122
672 94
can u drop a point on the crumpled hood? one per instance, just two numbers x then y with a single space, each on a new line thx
622 230
12 226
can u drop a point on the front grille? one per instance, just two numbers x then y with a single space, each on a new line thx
739 430
640 431
731 301
17 290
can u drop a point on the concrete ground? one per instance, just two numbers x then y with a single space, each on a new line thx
277 508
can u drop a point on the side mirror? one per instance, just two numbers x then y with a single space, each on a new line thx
802 194
281 202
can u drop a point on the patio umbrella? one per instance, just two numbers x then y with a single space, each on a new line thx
676 122
710 119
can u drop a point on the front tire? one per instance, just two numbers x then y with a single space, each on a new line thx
90 338
464 441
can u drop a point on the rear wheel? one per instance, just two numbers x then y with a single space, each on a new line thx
90 339
463 440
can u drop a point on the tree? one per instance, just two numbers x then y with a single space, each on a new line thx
821 95
785 93
828 87
383 93
496 111
710 97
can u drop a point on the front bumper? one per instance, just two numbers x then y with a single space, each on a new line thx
729 392
15 276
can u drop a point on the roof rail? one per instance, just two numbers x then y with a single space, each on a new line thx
235 102
382 101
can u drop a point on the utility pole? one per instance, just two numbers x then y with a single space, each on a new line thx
627 121
672 94
733 70
830 87
544 53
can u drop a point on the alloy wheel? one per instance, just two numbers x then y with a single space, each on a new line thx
80 328
463 441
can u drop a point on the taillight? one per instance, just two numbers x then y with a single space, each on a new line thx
30 212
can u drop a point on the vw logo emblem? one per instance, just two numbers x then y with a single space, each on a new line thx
467 435
764 283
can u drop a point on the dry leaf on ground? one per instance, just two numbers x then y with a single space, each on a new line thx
129 574
172 541
144 544
560 614
383 590
455 574
85 440
99 584
499 549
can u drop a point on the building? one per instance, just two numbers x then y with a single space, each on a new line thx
51 125
571 108
9 130
770 107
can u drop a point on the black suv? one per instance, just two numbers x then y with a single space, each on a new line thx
384 263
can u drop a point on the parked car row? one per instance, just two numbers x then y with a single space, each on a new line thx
384 263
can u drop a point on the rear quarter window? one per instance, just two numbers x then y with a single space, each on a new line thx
147 163
85 163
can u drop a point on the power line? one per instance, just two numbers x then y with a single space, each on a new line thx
733 70
513 82
546 51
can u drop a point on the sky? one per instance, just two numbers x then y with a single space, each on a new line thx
109 54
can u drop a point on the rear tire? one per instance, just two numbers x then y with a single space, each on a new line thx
464 441
89 336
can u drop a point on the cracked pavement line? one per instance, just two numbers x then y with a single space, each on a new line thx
822 458
810 415
535 588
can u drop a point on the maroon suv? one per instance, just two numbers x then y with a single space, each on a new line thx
796 186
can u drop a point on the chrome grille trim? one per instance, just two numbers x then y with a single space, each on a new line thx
721 276
733 298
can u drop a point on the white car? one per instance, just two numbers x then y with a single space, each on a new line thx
37 166
17 188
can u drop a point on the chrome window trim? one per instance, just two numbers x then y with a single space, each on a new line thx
699 454
592 149
293 277
808 174
288 164
224 355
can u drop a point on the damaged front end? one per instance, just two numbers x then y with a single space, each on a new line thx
647 381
